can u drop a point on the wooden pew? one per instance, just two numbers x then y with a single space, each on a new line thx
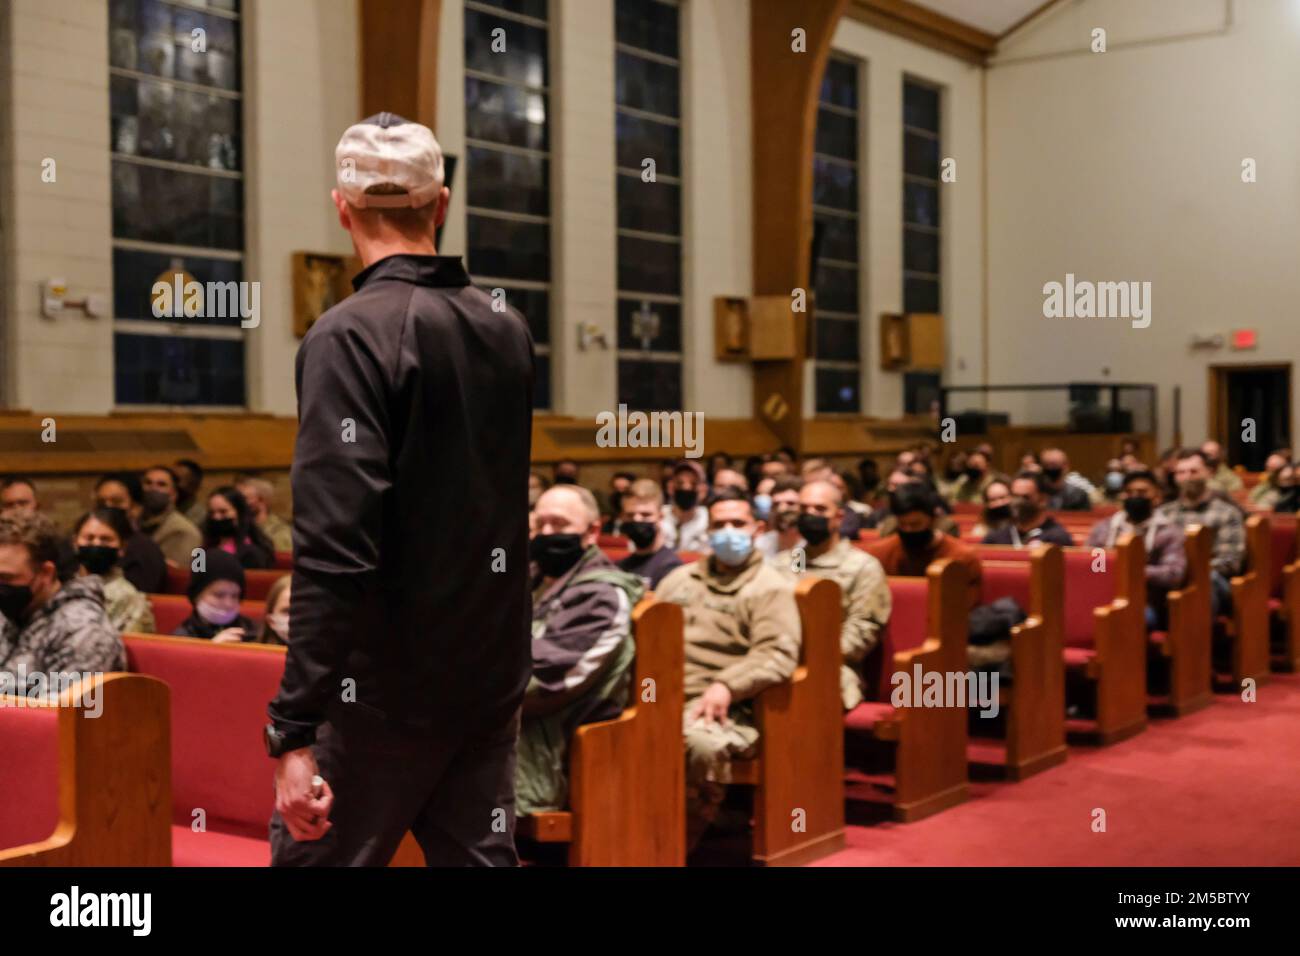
627 776
1035 701
1105 630
87 791
1247 629
799 769
1186 645
927 626
1284 592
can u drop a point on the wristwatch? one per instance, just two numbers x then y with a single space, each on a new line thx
279 743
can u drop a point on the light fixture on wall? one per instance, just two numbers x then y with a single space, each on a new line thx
54 300
1207 342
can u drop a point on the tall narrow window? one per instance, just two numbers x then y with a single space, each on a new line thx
837 367
921 272
921 225
647 107
508 175
178 201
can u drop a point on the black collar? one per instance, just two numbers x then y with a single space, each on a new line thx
443 271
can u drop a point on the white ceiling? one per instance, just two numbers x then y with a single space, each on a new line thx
991 16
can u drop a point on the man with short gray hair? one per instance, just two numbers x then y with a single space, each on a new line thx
399 707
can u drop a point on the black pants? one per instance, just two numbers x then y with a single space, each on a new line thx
455 793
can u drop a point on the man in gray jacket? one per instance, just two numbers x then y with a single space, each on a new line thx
48 626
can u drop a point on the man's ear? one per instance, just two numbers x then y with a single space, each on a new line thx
341 207
444 204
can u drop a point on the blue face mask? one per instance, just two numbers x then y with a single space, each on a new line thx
762 506
1114 480
731 546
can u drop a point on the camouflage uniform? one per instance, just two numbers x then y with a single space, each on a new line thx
864 594
743 631
70 633
127 608
278 531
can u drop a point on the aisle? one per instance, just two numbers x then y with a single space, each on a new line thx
1221 787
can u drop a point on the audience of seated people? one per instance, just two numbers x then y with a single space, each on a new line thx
970 487
1166 568
743 635
229 527
1030 522
175 534
215 590
48 625
582 645
1065 490
864 592
99 537
642 506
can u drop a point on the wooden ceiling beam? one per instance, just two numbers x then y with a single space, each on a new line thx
921 25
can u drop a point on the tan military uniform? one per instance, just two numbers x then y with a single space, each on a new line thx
864 594
967 492
127 608
175 535
743 631
1226 480
279 531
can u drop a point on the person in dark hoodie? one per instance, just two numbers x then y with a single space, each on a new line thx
215 593
48 625
1030 523
230 527
582 643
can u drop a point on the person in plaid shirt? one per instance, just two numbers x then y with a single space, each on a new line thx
1197 504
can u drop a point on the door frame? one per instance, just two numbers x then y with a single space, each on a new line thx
1217 393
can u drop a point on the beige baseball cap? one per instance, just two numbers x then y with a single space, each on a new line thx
387 150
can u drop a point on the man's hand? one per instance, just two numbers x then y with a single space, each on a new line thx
305 811
231 635
713 704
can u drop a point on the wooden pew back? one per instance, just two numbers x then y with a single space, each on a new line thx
114 777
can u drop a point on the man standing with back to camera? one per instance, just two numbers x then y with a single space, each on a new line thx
409 615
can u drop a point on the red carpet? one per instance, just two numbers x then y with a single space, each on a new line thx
1218 788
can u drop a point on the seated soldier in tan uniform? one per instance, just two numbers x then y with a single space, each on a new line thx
742 637
864 592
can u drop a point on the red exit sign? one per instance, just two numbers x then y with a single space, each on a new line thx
1244 339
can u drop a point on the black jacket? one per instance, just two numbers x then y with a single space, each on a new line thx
410 504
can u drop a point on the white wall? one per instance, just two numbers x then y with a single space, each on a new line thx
301 92
1126 165
888 59
58 93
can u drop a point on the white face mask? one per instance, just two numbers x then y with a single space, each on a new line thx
214 615
279 623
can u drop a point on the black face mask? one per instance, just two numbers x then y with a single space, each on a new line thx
155 502
814 528
14 599
974 474
1000 513
1023 510
218 528
1137 509
97 558
555 553
1053 474
915 541
686 498
565 480
640 533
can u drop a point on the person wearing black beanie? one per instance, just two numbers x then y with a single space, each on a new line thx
215 593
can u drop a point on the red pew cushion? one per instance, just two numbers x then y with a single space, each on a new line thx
867 714
906 630
29 761
1006 579
1085 590
219 697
